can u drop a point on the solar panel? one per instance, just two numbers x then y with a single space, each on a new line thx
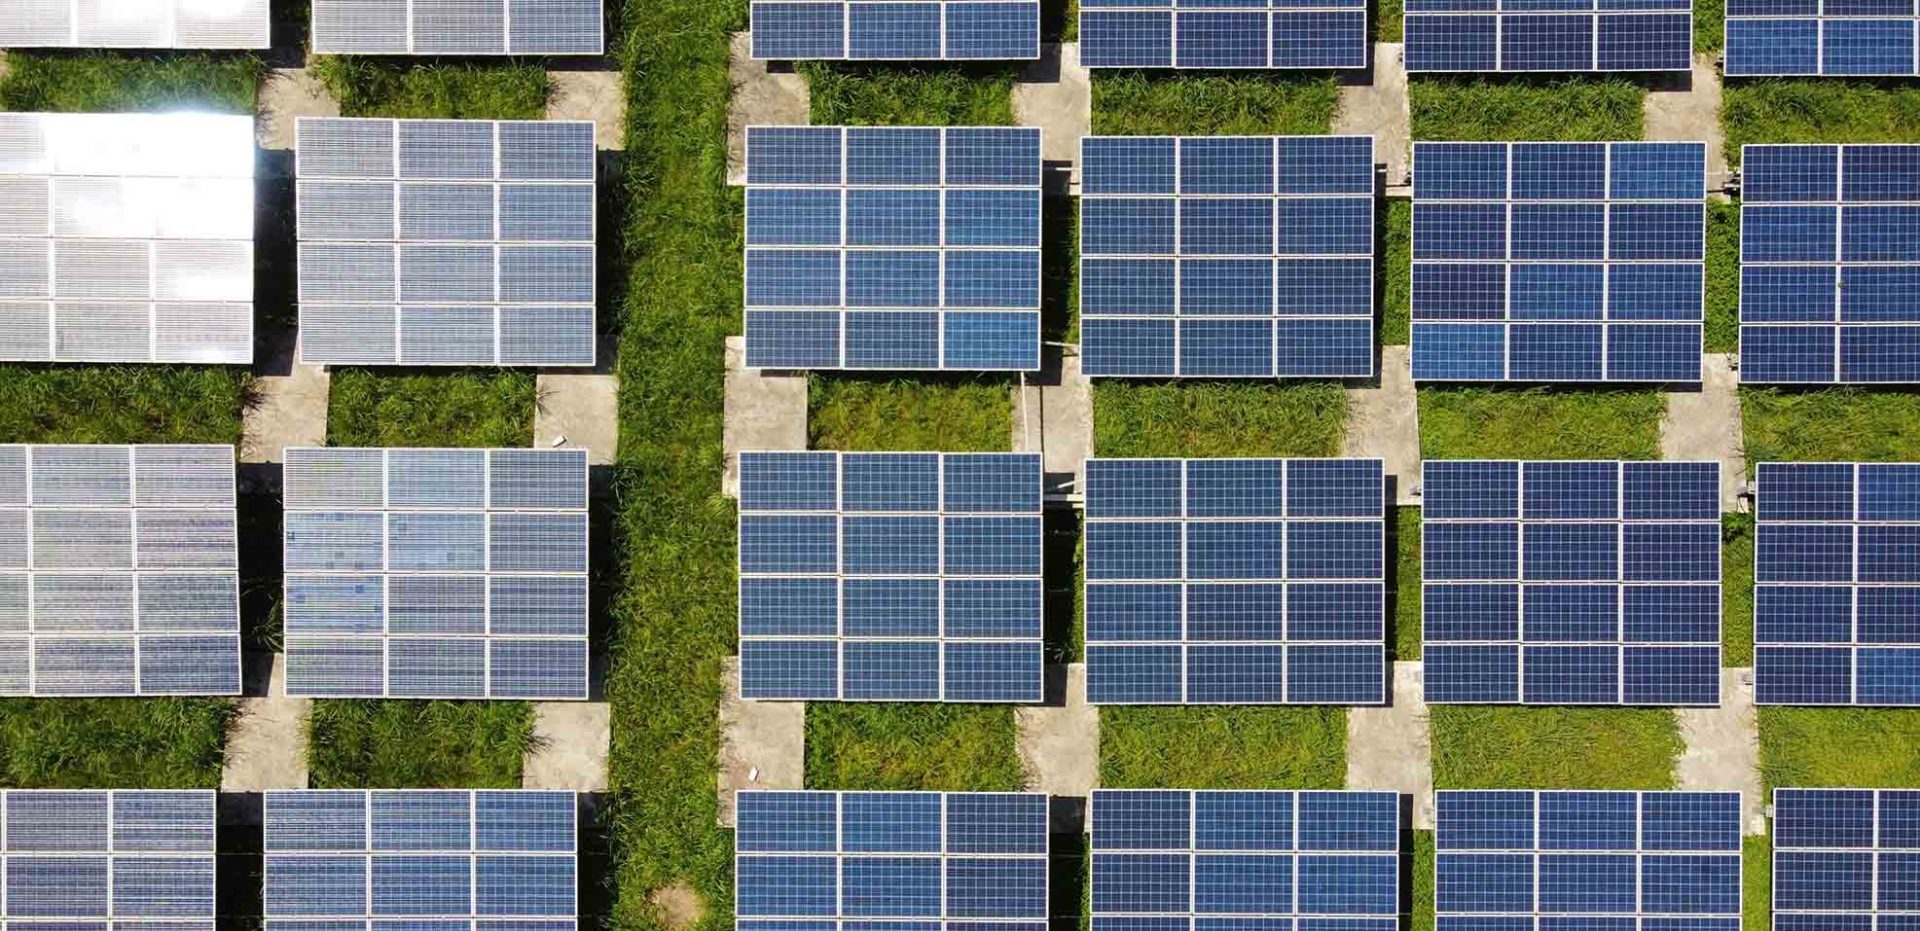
1812 37
1554 35
436 573
1571 583
126 237
457 27
1235 581
185 24
908 861
1596 861
1829 260
890 576
1223 33
446 242
1247 257
1199 861
1837 584
893 248
1559 261
901 30
420 859
109 861
1845 859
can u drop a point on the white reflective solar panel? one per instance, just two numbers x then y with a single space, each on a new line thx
118 571
109 861
457 27
446 242
436 573
186 24
126 237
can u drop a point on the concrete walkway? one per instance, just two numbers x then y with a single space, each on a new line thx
1391 746
1379 108
1056 94
1059 742
763 744
267 746
286 95
761 97
1053 416
578 410
1704 425
1723 748
1689 111
765 411
599 96
289 406
1383 422
571 742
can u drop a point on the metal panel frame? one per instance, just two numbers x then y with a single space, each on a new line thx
846 39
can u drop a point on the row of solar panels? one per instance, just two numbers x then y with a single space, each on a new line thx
340 27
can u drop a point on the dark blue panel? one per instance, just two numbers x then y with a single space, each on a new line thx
1459 352
892 671
1671 675
799 30
1471 612
1235 612
893 155
1654 352
1572 613
1141 883
1220 40
1315 287
1556 232
1458 292
1768 46
1452 43
1127 286
1888 677
1483 883
1558 292
1671 553
1234 487
1226 286
793 607
1787 354
1226 348
1879 234
1880 354
993 30
1459 231
888 546
993 340
1457 489
1882 172
1333 550
1121 226
1571 490
1335 488
1571 552
1655 292
1788 294
1875 294
1126 347
1320 40
1234 550
1802 675
1890 491
1803 614
1243 883
1325 226
793 154
1809 880
1691 821
1468 552
1127 165
1658 170
893 30
1133 674
1803 553
1646 42
1806 491
1546 43
1787 234
1790 173
790 217
1671 613
793 278
1867 47
1888 554
1336 675
1571 675
993 218
1555 352
1225 227
1134 488
1149 820
891 608
1590 883
993 608
1677 883
1460 170
1828 818
1008 157
890 822
1657 231
1348 821
1348 885
792 339
1236 821
1559 171
1671 490
1234 165
1324 348
893 340
1324 164
1889 615
1472 673
1126 39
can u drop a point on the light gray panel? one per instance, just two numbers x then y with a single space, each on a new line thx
16 658
346 210
203 333
203 208
345 148
320 477
24 332
448 150
334 604
538 543
82 539
546 274
359 26
437 668
347 334
99 269
335 667
13 538
185 539
546 212
183 476
202 270
436 542
24 210
83 602
24 268
437 478
88 476
539 479
118 24
57 822
544 605
23 143
36 23
459 27
555 27
538 669
13 475
546 335
447 335
439 273
437 605
222 24
446 211
204 665
546 151
333 542
99 208
83 666
345 272
16 601
189 602
102 332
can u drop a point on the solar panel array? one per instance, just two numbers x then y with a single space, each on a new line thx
1831 37
1571 583
126 237
1515 861
1558 262
893 248
1227 257
1223 33
109 861
1194 861
1846 859
436 573
896 29
1837 584
457 27
446 242
353 860
890 576
209 24
1235 581
1828 263
855 861
1549 35
119 571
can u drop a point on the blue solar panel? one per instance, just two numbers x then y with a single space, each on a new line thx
1227 257
1846 859
896 29
108 861
1179 860
1837 584
890 576
893 248
1558 262
1223 33
1593 861
1235 581
1825 37
1565 583
906 861
1554 35
1829 260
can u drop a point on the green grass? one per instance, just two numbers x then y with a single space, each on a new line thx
1833 424
1503 746
1539 423
1217 419
902 414
121 404
366 87
1756 891
1420 917
1816 110
1222 747
113 743
1134 103
1817 747
99 82
364 744
1525 108
1736 590
1406 590
1723 277
1387 20
1709 25
886 95
468 408
931 747
1396 273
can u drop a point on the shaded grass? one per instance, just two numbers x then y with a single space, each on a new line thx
366 744
1817 747
1736 590
100 82
1406 594
113 743
1833 424
1420 910
1539 423
1205 419
932 747
1505 746
899 414
887 95
1387 20
1756 891
1817 110
1723 277
1236 103
121 404
1223 747
1525 108
1396 273
466 408
366 87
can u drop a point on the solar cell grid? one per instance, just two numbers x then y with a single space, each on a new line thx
1828 263
1563 583
436 573
1235 581
896 29
1235 257
1223 34
1557 35
457 27
1820 37
446 242
1558 262
108 860
200 24
1845 859
893 248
